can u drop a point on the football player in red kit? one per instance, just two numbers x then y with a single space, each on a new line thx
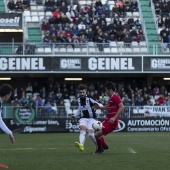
115 108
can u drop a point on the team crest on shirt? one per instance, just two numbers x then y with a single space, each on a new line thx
87 101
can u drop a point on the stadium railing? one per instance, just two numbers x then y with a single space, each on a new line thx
43 112
90 48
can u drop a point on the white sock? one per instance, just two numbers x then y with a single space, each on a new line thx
91 135
82 136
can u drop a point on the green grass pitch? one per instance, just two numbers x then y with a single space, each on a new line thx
56 151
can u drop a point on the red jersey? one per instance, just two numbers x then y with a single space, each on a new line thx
113 104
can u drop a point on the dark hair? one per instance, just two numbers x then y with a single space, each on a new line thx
5 89
82 87
110 85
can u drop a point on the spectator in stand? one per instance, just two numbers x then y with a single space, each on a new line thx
61 108
48 109
19 5
131 22
137 23
106 6
127 41
160 22
110 26
99 10
167 22
74 104
52 20
90 35
15 94
15 103
48 5
44 19
87 20
29 88
134 5
57 13
168 101
24 101
43 93
26 4
53 38
96 95
59 2
161 99
74 30
11 5
31 102
63 8
157 9
98 3
133 32
65 20
165 41
47 39
83 39
126 100
52 30
99 40
68 32
85 10
81 26
156 91
162 32
45 28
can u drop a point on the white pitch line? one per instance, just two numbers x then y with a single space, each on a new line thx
130 150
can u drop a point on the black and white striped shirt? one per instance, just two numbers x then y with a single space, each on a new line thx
85 109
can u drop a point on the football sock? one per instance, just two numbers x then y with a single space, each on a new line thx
103 141
91 135
100 143
82 136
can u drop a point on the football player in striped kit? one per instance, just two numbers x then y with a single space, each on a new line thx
5 94
87 115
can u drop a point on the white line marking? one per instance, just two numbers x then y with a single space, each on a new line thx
130 150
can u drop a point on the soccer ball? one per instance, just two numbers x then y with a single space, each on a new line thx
97 125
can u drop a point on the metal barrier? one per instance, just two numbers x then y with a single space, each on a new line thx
90 48
67 111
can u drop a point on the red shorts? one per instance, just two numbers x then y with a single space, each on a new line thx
109 127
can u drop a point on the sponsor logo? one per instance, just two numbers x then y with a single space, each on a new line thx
74 63
110 64
22 64
9 22
121 126
160 63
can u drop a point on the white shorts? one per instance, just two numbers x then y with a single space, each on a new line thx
87 122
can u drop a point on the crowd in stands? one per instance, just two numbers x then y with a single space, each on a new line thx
18 5
54 95
162 11
88 23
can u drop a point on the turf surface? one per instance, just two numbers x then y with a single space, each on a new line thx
56 151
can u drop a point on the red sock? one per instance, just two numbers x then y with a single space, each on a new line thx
103 141
99 143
